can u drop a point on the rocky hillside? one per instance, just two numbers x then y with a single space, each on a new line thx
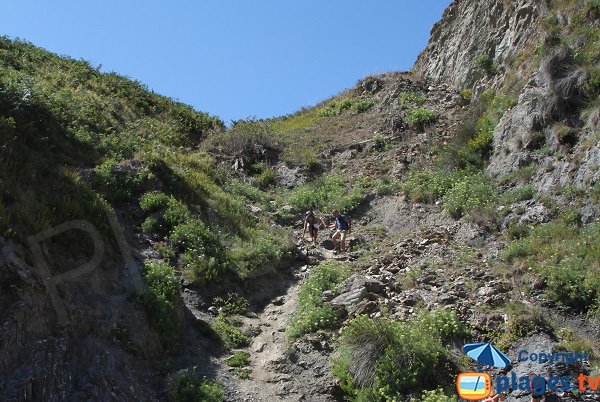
150 253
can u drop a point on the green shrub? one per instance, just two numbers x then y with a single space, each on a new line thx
227 329
428 186
517 194
337 106
327 193
311 314
159 299
596 191
567 258
443 324
381 143
258 251
517 231
266 178
437 396
362 105
118 185
420 117
184 386
523 320
486 64
203 259
410 99
469 193
243 136
154 201
232 304
238 359
381 359
168 213
467 94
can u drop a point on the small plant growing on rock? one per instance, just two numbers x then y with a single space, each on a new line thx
486 63
409 99
420 117
185 386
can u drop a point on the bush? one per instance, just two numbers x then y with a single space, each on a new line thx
238 359
159 300
258 251
437 396
232 304
517 194
154 201
486 64
567 258
420 117
517 231
312 314
227 329
428 186
168 212
117 185
381 359
203 259
408 99
522 321
266 178
327 193
184 386
337 106
469 193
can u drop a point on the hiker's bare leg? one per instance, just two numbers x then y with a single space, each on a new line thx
343 242
334 239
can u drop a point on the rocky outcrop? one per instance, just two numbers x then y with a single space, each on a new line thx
496 30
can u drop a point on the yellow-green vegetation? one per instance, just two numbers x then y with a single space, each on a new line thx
420 117
383 359
159 299
410 99
567 257
456 178
228 331
185 386
438 395
338 106
523 320
327 193
312 314
63 113
231 304
238 359
486 64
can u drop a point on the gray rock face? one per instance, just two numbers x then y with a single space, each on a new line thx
496 29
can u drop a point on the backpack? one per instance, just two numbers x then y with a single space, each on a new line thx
342 222
310 218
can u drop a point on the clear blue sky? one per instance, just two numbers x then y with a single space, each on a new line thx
232 58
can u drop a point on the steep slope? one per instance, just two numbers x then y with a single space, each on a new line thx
476 34
103 194
471 183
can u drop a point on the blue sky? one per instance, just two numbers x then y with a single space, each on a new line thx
233 58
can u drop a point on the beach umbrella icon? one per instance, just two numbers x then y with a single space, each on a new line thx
486 353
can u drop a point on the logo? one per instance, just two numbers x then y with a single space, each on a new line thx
474 386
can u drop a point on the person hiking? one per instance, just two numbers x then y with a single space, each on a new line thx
343 226
312 222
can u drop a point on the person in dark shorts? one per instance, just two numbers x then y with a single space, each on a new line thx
343 227
312 223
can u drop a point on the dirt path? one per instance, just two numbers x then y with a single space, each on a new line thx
268 352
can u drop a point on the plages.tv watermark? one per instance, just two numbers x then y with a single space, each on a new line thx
476 386
52 281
